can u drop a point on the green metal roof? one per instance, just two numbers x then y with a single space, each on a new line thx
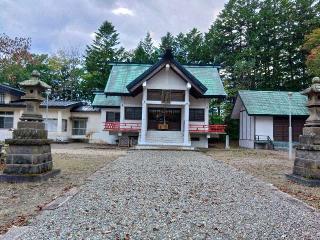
101 100
124 73
209 77
273 103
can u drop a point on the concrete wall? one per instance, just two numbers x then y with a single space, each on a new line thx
202 143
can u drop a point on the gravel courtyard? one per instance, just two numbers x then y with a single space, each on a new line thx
176 195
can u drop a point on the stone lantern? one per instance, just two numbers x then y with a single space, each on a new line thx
29 154
33 88
306 168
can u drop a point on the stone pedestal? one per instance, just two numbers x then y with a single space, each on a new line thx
29 155
306 168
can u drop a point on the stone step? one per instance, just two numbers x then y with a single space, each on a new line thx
167 147
163 138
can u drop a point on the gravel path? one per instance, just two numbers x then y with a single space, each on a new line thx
176 195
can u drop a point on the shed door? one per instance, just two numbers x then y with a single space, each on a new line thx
281 128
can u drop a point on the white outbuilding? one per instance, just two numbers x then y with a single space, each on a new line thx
264 117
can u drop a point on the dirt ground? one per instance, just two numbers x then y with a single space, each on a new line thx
18 202
269 166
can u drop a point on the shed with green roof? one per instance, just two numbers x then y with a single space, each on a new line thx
264 115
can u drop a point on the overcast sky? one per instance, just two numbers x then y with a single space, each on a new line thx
59 24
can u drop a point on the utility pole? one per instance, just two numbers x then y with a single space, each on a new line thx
48 91
290 126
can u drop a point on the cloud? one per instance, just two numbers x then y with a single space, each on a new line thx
59 24
122 11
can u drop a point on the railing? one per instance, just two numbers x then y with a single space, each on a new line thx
122 127
201 128
262 138
135 127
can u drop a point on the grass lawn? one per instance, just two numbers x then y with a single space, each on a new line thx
269 166
18 202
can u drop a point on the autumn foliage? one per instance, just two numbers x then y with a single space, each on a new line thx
312 46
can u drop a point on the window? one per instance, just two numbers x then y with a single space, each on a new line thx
52 125
154 95
64 125
79 127
112 117
195 139
133 113
6 120
165 96
177 95
196 115
2 98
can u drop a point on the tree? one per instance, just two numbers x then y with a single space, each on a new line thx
258 43
103 50
14 56
66 74
168 42
145 51
192 42
312 47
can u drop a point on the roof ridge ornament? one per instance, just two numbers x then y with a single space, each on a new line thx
35 74
316 80
168 54
315 87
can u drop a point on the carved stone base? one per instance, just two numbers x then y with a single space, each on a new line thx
304 181
31 125
311 131
307 161
28 159
29 177
29 153
31 117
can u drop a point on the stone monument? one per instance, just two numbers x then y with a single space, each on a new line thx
29 154
306 168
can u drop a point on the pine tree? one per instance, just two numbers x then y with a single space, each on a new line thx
168 42
258 43
103 50
145 51
189 47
